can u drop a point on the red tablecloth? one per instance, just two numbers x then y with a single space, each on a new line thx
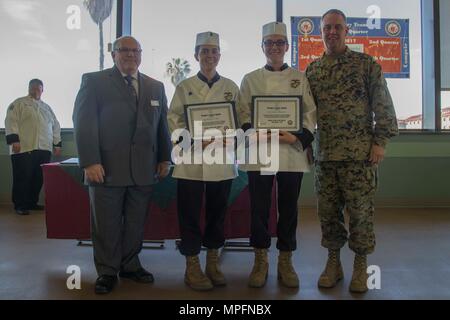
67 211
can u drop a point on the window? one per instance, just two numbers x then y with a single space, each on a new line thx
445 110
55 41
167 30
444 8
407 101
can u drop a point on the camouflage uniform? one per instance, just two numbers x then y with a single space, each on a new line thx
354 111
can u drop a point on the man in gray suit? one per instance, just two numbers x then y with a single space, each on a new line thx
124 147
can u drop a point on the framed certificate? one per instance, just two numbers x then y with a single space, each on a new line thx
278 112
217 115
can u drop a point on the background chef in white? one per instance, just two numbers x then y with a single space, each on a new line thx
195 180
277 78
33 132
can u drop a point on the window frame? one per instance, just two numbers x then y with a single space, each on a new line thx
430 35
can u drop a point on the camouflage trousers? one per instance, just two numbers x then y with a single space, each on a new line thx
349 185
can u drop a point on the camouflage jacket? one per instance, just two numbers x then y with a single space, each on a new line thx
354 106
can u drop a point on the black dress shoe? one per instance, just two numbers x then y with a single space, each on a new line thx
141 275
105 284
22 212
37 207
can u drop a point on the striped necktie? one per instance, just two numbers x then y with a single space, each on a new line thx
130 86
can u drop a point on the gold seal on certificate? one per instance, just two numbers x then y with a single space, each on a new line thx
277 112
217 115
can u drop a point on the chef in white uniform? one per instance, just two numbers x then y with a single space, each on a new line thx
196 180
33 132
277 78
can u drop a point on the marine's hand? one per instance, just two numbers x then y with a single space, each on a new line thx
376 154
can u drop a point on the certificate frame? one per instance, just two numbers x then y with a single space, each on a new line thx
192 111
296 127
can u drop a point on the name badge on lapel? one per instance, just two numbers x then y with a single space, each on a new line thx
154 103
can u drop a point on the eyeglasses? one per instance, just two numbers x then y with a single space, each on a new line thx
270 43
128 50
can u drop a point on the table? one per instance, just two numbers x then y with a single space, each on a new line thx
67 206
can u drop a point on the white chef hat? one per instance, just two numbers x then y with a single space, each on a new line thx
271 28
207 38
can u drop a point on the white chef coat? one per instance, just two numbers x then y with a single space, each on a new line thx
289 81
195 91
35 124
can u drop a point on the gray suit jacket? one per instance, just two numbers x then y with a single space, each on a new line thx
110 130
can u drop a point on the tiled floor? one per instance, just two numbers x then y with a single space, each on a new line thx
413 253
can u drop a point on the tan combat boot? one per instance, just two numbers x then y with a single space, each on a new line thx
194 276
260 269
359 277
212 269
286 272
333 271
